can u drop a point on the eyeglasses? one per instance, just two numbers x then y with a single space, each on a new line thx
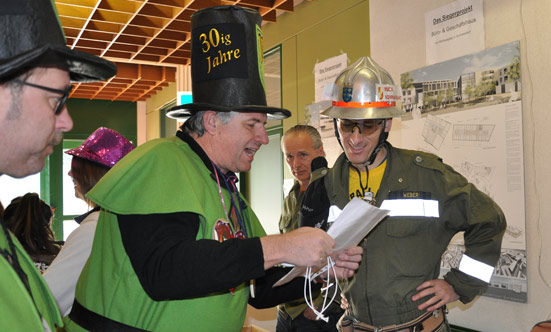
61 101
364 126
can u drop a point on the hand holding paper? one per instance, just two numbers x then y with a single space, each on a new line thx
354 223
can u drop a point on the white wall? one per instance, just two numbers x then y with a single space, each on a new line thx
398 44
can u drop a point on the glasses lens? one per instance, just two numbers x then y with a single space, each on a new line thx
364 127
348 126
63 100
60 104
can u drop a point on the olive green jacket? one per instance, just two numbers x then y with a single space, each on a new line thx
403 252
288 220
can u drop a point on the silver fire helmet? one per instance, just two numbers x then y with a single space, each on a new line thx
364 90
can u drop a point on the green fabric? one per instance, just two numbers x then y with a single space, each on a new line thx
288 221
161 176
403 252
17 309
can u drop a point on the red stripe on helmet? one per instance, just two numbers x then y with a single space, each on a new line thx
366 104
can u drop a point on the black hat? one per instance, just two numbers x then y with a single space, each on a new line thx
31 36
227 63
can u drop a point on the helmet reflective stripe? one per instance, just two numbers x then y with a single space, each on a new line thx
367 104
364 90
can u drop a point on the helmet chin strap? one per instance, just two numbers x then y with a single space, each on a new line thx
382 139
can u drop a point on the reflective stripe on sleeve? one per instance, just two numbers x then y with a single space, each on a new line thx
411 207
476 268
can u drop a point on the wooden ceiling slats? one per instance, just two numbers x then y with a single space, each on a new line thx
285 5
146 39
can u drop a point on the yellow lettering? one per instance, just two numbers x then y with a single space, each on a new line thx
214 37
222 56
205 44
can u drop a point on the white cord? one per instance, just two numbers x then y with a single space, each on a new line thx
308 286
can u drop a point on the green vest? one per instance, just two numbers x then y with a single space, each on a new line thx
161 176
18 311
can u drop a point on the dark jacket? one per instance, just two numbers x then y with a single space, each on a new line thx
403 252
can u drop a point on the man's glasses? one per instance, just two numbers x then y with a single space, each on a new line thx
364 126
61 101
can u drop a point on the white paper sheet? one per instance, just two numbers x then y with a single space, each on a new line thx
357 219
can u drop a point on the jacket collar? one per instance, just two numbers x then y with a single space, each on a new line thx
339 177
80 218
195 147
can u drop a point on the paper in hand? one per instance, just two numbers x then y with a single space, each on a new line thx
356 220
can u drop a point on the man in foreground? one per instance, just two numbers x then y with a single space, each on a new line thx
177 247
35 72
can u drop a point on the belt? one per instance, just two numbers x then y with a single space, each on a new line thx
428 322
92 321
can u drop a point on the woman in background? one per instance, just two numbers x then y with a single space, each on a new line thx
91 161
30 219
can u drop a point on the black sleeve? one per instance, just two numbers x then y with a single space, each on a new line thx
171 264
267 296
315 206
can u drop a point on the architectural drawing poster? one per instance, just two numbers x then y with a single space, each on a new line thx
468 111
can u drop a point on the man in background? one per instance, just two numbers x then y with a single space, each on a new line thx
36 68
303 151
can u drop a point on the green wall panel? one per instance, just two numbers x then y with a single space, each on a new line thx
88 115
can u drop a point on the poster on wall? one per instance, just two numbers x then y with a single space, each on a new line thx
454 30
468 112
325 73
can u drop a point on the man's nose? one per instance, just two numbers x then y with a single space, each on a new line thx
262 136
64 122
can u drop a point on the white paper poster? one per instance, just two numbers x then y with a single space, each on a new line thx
454 30
326 72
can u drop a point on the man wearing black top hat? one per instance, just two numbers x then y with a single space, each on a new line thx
36 68
177 247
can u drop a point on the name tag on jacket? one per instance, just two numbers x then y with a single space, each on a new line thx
411 204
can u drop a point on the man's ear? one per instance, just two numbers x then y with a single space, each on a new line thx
210 122
388 125
321 152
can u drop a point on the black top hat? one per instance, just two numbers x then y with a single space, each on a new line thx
227 63
31 36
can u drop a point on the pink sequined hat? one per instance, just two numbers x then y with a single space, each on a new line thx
105 146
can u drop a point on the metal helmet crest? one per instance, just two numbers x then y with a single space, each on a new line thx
364 90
